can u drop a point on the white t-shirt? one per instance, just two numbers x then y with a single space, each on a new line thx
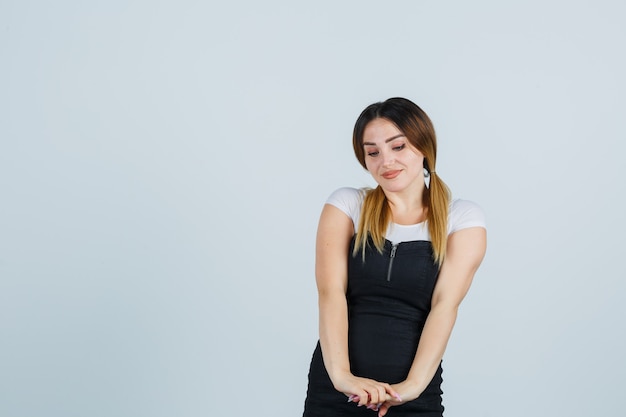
462 214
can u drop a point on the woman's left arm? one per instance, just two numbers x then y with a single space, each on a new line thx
464 253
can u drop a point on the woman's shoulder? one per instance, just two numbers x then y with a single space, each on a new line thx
349 200
464 214
347 193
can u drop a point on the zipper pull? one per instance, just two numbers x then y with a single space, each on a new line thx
391 256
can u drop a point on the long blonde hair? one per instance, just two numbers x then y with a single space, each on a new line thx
376 214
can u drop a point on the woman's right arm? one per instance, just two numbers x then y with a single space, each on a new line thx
334 233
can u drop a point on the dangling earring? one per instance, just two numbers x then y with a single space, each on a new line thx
426 178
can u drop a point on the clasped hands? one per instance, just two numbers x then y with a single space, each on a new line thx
374 395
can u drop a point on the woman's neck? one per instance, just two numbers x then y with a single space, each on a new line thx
407 207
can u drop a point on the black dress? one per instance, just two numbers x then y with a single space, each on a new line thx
388 298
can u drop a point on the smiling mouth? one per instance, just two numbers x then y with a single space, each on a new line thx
391 174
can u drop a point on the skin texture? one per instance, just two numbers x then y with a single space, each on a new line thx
398 168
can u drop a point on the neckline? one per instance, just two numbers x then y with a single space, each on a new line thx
417 241
409 225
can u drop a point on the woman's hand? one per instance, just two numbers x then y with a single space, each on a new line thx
404 391
364 391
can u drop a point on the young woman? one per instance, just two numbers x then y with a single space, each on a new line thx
392 266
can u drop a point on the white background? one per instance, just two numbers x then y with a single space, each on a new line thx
163 165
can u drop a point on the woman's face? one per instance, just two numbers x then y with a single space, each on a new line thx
393 162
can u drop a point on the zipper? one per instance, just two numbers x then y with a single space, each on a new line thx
391 256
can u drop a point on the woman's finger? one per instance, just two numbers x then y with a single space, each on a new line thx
382 410
393 393
363 398
382 395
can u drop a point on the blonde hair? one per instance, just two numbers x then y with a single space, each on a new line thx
415 124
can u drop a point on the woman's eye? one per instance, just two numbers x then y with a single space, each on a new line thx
399 147
373 153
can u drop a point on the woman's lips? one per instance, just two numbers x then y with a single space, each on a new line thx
391 174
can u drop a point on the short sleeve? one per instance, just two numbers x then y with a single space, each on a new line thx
349 200
465 214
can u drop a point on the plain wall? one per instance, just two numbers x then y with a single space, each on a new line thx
163 165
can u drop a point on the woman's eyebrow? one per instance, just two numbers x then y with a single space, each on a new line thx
386 140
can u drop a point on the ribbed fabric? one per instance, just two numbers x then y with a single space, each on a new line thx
388 302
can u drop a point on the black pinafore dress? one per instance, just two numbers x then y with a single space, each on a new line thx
388 298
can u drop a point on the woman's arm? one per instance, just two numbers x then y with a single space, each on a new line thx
334 233
464 253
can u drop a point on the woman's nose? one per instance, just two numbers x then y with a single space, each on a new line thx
388 159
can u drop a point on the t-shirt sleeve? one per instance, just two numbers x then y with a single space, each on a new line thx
465 214
348 200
